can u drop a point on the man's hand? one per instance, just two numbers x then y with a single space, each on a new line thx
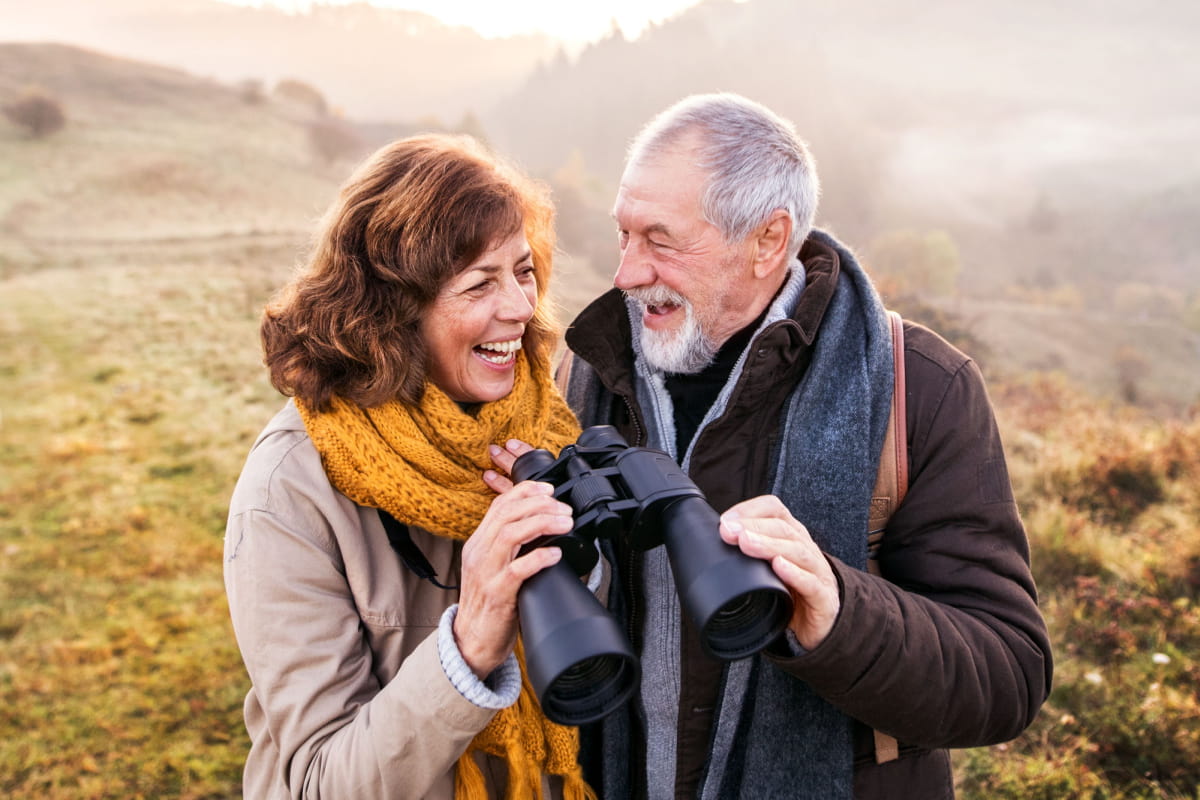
763 528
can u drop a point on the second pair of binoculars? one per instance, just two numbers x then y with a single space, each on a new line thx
580 662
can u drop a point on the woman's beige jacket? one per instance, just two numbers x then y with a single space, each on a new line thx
348 697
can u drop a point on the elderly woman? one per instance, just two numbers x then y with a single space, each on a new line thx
371 556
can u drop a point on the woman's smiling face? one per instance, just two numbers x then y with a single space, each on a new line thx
473 329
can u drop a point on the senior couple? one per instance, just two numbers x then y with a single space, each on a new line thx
374 546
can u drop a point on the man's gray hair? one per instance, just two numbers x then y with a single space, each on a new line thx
755 161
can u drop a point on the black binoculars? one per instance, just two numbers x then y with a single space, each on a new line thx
580 662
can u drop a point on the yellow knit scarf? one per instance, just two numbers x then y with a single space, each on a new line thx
423 465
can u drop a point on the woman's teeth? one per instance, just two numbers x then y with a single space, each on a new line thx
498 352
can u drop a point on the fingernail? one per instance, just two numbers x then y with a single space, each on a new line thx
732 523
563 520
513 445
489 474
494 449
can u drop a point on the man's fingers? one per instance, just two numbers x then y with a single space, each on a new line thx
766 505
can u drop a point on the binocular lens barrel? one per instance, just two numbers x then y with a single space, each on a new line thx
530 464
579 660
738 602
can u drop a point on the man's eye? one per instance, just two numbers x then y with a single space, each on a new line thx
623 237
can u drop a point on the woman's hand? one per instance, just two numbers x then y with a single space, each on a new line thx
503 458
492 572
763 528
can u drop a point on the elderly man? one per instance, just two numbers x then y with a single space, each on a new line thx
754 350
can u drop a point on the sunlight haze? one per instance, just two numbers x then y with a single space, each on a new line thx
574 23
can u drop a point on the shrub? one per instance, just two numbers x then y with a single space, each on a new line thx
250 91
302 94
919 263
37 112
334 139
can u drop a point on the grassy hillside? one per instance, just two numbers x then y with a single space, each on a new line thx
122 434
133 389
150 153
1111 500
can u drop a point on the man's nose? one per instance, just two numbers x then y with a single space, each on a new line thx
634 270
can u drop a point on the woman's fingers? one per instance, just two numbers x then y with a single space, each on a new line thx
505 456
526 566
498 479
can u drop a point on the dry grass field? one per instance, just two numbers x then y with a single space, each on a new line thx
137 247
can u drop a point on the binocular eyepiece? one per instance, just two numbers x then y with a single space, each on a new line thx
580 662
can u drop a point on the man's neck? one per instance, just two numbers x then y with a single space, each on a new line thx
693 395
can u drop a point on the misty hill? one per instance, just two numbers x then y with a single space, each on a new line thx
972 116
151 152
1050 147
1084 262
370 62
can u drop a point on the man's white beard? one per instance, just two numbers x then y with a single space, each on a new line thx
684 351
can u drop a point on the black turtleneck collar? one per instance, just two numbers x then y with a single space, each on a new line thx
692 395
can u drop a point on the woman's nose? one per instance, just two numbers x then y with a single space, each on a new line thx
518 302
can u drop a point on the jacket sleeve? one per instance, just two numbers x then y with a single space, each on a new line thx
948 648
337 729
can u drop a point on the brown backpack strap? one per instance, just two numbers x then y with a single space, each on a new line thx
891 484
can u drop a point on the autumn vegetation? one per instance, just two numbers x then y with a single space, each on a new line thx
139 243
36 112
122 436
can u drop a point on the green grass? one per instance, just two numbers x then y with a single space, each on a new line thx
134 388
132 394
1111 499
137 247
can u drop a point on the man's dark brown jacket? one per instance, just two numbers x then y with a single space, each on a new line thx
948 647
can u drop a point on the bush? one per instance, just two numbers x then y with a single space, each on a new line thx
927 263
302 94
37 112
333 139
1110 497
250 91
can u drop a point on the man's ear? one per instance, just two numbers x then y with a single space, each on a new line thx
771 243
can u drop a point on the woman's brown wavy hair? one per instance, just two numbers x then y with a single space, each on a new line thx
411 217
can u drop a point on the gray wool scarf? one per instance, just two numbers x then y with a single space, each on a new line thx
783 739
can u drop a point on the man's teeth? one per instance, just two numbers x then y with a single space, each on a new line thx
503 351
